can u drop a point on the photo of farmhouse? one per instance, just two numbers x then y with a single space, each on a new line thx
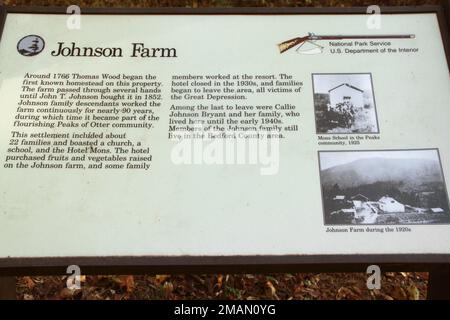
344 103
383 187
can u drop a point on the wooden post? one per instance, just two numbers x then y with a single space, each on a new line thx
439 284
446 4
7 288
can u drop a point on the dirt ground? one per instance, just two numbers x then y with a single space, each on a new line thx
348 286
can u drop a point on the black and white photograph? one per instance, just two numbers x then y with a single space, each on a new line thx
383 187
344 103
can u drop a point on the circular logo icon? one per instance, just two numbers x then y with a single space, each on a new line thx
30 45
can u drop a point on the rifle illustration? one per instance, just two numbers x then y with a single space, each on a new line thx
312 38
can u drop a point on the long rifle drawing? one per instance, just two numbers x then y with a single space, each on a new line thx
313 38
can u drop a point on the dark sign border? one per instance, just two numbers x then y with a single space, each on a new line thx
230 264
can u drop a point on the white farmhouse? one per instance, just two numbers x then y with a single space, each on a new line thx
390 205
346 93
359 200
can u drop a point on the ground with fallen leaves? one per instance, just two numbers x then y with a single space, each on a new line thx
398 286
219 3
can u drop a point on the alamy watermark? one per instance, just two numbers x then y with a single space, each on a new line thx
73 281
374 21
73 22
374 280
211 147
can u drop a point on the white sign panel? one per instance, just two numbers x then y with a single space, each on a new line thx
223 135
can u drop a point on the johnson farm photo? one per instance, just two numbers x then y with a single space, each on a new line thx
383 187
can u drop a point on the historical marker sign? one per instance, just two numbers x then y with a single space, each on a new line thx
288 137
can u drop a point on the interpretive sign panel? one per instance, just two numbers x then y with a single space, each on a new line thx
222 134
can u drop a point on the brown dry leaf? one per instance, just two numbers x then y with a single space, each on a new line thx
118 297
423 275
161 278
390 274
219 281
126 282
357 290
313 293
66 293
28 297
129 283
29 282
199 279
117 280
168 289
315 279
345 293
342 293
375 293
399 294
272 292
413 292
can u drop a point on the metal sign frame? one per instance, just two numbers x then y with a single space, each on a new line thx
436 263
